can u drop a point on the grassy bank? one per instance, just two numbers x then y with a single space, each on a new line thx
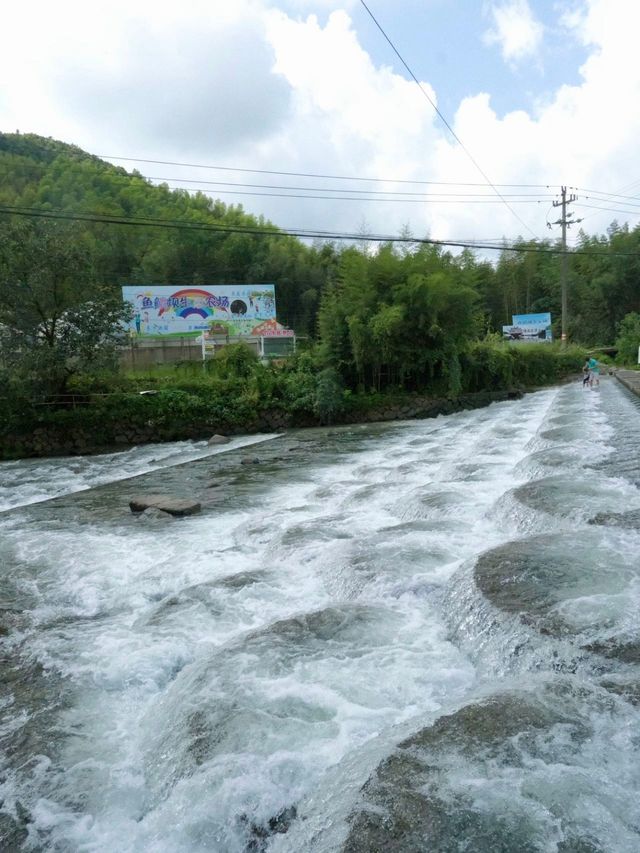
238 395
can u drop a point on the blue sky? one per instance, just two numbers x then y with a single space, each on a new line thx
443 42
542 92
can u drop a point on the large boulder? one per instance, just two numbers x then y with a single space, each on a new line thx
219 439
166 503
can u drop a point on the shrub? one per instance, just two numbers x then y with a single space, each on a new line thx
628 339
329 399
237 360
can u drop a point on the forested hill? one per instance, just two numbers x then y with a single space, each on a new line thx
41 174
354 299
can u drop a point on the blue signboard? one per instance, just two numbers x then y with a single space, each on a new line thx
528 327
531 319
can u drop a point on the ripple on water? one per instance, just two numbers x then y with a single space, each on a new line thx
577 497
539 463
584 586
444 506
258 712
487 778
208 597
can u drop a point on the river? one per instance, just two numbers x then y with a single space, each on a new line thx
412 636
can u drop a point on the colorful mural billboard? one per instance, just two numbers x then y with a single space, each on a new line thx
528 327
231 309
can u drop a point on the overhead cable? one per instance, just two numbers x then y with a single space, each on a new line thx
252 171
444 120
263 231
518 196
608 209
423 200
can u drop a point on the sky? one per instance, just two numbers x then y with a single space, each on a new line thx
530 95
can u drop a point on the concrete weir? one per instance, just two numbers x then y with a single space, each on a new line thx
418 635
630 379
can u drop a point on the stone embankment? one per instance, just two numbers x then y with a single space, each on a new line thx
68 440
630 379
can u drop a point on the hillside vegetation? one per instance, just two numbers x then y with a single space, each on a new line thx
397 319
46 175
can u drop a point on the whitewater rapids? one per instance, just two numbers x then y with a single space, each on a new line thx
421 635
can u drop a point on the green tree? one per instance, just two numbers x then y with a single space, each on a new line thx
56 319
329 399
628 340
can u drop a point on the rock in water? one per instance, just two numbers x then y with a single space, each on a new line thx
153 512
166 503
219 439
446 788
630 520
547 580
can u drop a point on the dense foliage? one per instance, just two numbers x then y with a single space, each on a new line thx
55 319
414 319
184 401
44 175
628 340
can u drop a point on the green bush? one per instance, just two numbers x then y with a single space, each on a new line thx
235 360
189 402
628 339
329 399
497 365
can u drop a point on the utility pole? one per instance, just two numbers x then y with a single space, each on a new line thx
566 222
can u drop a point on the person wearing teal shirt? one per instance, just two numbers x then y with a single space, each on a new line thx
594 371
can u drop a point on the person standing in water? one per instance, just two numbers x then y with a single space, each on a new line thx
594 371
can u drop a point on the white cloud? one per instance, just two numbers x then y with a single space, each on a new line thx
368 116
141 73
246 84
584 136
515 30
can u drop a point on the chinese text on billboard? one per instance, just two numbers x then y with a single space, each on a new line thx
160 310
528 327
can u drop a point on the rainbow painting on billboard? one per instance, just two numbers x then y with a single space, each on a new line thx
230 309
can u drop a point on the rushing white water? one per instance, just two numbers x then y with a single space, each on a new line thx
229 681
34 480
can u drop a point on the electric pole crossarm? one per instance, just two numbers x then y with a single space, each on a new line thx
566 222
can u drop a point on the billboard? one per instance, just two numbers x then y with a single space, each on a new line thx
230 309
528 327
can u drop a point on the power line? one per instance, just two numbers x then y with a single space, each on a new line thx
343 178
620 190
600 200
634 199
423 200
151 222
303 192
423 195
444 120
314 174
608 209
